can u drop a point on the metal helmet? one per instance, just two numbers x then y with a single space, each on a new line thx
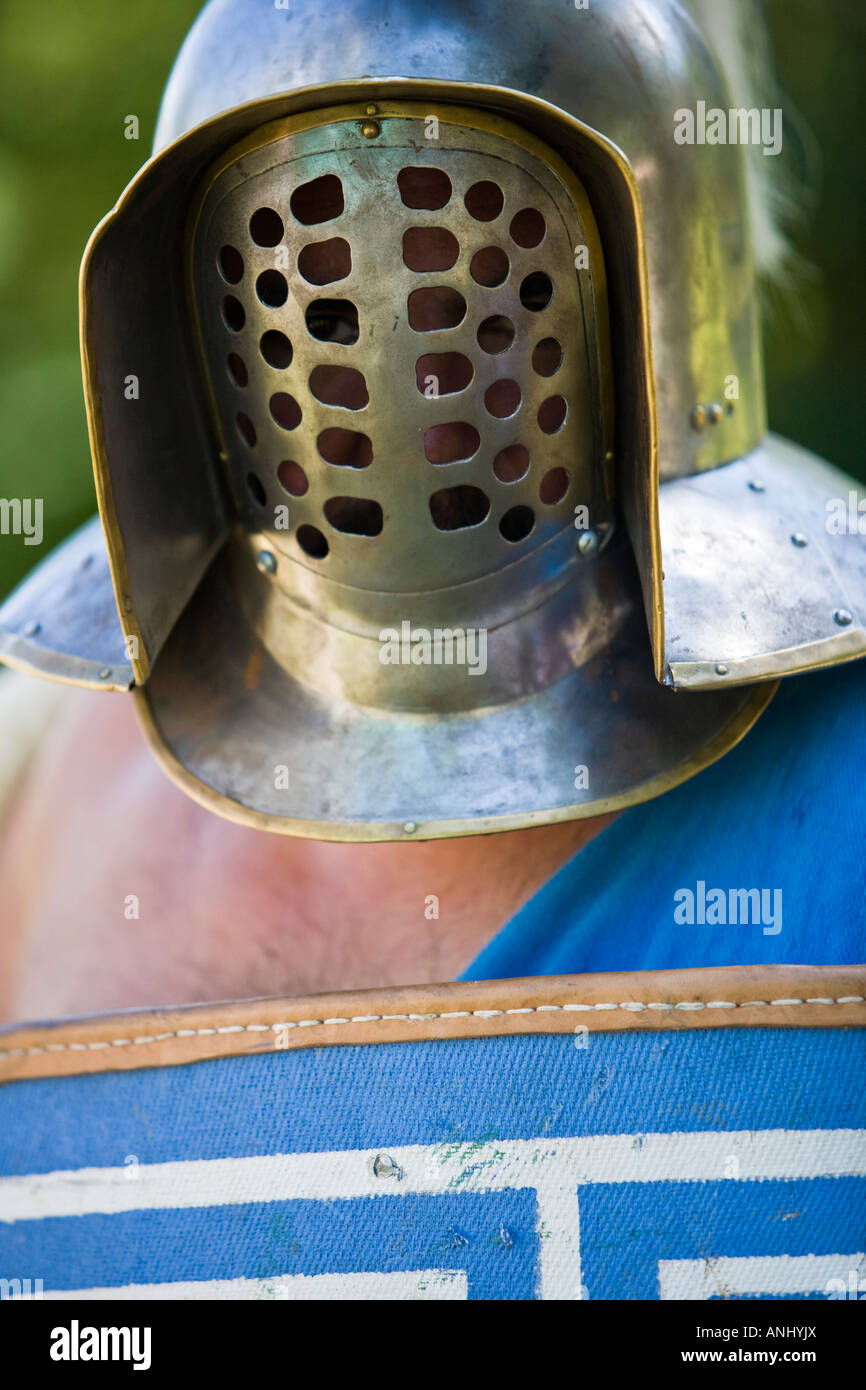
423 377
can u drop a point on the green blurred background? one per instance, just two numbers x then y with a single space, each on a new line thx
71 72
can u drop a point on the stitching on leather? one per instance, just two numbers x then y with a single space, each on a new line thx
629 1006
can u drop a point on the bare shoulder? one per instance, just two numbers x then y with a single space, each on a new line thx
121 892
89 827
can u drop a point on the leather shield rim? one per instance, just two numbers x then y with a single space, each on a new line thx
768 996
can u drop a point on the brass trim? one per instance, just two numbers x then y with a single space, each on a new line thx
60 622
812 656
102 475
57 668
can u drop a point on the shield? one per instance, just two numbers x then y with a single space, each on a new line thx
679 1135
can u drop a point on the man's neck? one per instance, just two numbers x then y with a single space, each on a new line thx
124 893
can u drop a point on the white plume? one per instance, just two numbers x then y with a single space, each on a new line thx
736 31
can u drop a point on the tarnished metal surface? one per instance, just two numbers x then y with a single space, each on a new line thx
164 521
268 448
756 580
422 398
155 461
271 747
623 67
62 620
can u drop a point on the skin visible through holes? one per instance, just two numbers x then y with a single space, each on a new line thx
224 911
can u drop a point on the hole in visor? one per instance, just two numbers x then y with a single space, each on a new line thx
272 288
322 262
332 320
443 373
536 291
527 227
484 201
345 448
246 429
231 264
311 541
451 443
266 227
551 414
237 369
342 386
293 478
256 490
547 357
320 200
502 398
554 486
436 307
356 516
429 248
233 313
511 464
424 187
455 508
516 524
489 266
285 410
496 334
275 348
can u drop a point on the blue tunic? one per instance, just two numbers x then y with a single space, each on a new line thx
784 813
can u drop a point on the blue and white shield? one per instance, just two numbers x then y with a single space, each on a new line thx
641 1163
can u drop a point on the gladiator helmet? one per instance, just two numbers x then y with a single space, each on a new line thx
423 378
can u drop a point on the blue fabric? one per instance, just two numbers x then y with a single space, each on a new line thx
691 1146
354 1097
785 810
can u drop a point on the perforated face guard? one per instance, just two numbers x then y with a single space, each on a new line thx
414 406
407 351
